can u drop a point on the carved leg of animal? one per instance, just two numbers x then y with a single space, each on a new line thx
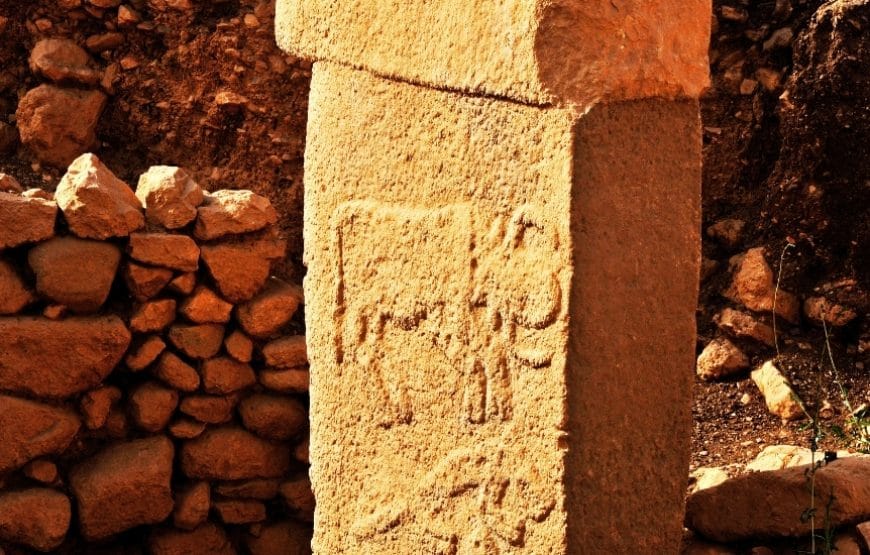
499 398
474 396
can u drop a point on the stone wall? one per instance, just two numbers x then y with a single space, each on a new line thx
153 381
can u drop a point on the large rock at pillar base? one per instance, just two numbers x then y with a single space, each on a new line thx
231 213
170 196
95 203
74 272
208 538
36 518
58 124
241 268
25 220
124 486
49 358
29 430
771 504
281 538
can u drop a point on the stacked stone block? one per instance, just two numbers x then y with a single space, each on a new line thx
153 378
501 231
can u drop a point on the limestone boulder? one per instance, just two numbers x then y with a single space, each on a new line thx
286 352
145 353
754 286
29 429
36 358
241 268
63 61
204 306
25 220
208 538
720 359
152 405
293 380
299 498
261 489
779 396
42 471
239 346
820 309
771 504
742 325
144 282
200 342
124 486
95 203
728 232
9 184
231 453
170 196
96 406
224 375
59 124
36 518
231 213
185 428
75 273
271 309
178 252
177 373
240 511
210 409
153 316
273 417
14 292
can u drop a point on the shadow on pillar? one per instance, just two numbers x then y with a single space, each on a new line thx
635 224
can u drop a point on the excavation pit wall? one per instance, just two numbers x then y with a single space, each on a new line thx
153 372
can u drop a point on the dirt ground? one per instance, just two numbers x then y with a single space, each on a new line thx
774 158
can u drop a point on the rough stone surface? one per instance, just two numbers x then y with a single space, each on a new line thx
62 60
529 50
29 430
152 316
191 506
210 409
754 286
431 218
183 284
178 252
742 325
36 358
144 282
273 417
185 428
286 381
282 538
95 203
239 346
820 309
229 212
14 292
287 352
779 396
271 309
170 196
75 273
152 405
240 269
770 504
9 184
42 471
208 538
124 486
240 511
96 406
25 220
145 353
37 518
232 454
177 373
205 307
202 341
59 124
223 375
720 359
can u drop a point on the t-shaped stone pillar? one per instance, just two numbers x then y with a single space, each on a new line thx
501 232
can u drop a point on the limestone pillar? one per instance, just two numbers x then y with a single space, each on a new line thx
502 205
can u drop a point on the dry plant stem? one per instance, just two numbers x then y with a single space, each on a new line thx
776 294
